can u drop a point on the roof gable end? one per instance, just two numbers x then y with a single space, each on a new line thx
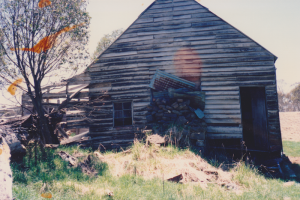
178 23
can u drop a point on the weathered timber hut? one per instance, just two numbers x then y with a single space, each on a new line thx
185 39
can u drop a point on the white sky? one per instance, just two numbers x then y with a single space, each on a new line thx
275 24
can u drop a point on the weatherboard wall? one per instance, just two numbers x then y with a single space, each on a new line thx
185 39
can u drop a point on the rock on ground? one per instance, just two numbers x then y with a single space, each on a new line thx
16 148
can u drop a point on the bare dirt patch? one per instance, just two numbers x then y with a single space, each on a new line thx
295 160
290 126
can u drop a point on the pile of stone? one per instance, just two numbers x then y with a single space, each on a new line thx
164 113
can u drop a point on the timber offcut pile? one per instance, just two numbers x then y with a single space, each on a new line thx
175 111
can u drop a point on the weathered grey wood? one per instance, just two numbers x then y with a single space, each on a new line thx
10 138
192 11
210 111
221 93
145 62
133 66
76 138
126 53
240 73
239 83
224 129
223 136
228 59
221 102
222 116
109 142
223 121
214 107
160 10
179 30
238 78
179 20
233 70
209 88
144 20
168 5
205 57
215 97
178 33
189 7
139 38
64 103
62 132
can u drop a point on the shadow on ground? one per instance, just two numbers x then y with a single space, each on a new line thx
227 159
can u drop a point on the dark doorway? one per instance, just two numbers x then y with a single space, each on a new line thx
254 117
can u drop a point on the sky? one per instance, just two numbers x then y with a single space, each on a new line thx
274 24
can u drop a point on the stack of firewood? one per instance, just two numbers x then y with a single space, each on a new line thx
165 113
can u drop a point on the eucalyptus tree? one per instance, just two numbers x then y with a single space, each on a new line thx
106 41
295 97
37 38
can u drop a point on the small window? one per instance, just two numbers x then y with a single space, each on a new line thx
122 114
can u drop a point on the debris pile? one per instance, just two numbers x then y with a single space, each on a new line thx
86 165
176 102
14 139
155 162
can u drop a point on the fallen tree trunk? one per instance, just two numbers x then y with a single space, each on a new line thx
17 150
12 120
84 165
62 132
65 102
78 138
68 158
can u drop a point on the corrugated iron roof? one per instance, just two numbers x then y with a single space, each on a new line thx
162 81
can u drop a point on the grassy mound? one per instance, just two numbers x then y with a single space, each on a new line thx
141 173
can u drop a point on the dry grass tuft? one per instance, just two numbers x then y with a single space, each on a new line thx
152 161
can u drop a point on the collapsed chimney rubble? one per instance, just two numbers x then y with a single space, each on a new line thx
177 103
163 113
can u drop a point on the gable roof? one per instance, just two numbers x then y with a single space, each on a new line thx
184 23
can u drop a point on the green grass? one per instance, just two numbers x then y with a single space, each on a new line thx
45 165
258 187
291 148
66 182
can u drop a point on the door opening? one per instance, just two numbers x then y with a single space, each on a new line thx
254 118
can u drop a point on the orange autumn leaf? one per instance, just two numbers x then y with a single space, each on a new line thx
47 42
44 3
47 195
13 87
0 151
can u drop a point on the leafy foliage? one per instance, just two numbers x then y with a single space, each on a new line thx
35 42
289 101
295 96
23 24
106 41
